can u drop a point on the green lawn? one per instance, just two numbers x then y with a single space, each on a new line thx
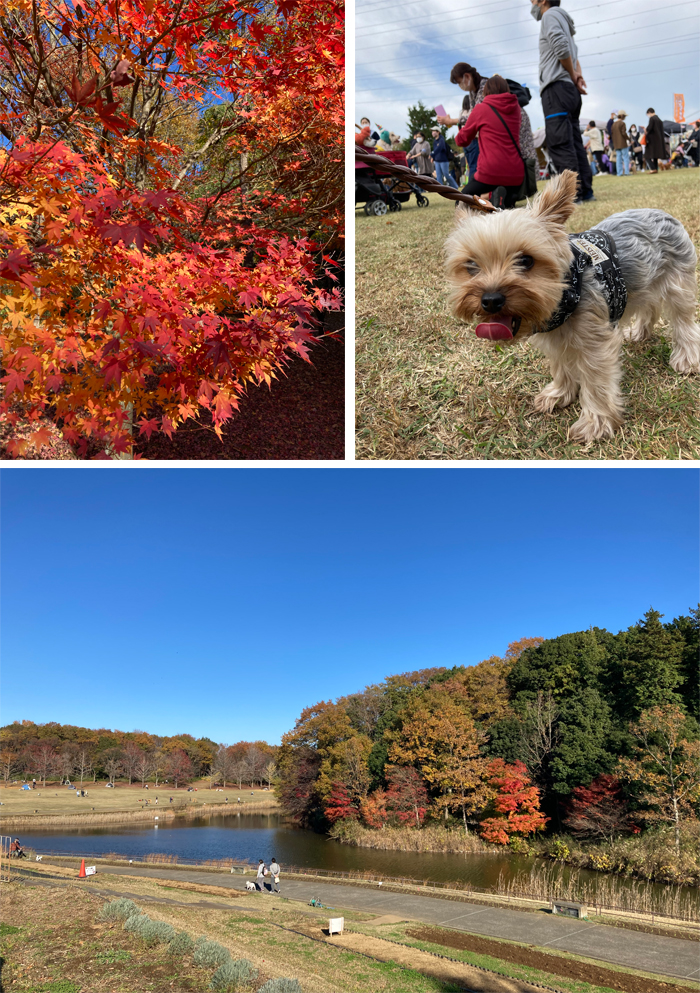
427 388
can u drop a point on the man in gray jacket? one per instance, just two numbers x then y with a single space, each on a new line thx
561 86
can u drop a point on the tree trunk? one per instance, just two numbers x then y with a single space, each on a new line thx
676 826
464 818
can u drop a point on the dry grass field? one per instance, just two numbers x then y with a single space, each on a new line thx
427 388
60 802
54 942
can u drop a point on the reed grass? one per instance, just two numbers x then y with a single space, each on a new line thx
433 838
649 856
547 882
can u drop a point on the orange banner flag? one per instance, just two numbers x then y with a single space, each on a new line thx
678 108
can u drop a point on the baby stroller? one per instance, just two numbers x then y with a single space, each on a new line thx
381 193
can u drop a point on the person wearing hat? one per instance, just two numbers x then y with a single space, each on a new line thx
384 143
620 144
441 158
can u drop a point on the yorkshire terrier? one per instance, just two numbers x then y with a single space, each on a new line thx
526 277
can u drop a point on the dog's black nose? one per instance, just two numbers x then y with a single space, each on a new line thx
493 302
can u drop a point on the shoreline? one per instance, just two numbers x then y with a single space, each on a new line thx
9 823
451 841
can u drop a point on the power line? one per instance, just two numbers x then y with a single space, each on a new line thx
605 51
460 16
601 65
489 7
631 75
627 30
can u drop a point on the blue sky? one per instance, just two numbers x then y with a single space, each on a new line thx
634 54
222 601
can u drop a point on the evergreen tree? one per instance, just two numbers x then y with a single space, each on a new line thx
422 119
649 671
689 630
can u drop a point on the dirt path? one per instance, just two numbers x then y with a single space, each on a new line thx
470 978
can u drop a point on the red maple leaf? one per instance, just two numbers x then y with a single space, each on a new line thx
147 427
82 95
129 234
13 381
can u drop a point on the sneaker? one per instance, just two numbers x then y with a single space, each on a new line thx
585 199
498 197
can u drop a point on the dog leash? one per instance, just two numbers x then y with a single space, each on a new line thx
425 182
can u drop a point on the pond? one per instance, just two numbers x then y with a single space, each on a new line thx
249 837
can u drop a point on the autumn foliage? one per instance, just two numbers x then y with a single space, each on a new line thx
599 810
149 273
516 803
339 804
406 796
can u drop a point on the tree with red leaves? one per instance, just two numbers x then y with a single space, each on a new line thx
406 795
599 810
516 803
148 272
340 805
178 766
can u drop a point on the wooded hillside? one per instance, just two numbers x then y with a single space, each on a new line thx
590 731
46 751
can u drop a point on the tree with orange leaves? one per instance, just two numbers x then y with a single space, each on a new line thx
516 803
442 742
136 288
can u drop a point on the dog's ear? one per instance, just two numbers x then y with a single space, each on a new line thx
556 201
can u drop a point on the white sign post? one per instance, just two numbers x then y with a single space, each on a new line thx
90 870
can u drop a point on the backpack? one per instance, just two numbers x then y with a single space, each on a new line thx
520 92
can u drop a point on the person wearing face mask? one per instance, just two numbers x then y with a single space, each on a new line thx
636 153
561 87
473 84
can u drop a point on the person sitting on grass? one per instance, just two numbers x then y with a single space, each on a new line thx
17 850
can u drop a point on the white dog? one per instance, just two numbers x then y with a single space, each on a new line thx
250 886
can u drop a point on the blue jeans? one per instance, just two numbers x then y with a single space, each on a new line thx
623 156
472 153
442 170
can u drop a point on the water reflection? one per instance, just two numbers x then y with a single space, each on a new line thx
249 837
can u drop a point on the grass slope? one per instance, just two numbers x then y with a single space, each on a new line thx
52 942
59 801
427 388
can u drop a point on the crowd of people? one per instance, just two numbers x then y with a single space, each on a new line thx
615 150
495 134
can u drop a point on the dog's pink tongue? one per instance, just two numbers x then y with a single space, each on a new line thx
493 330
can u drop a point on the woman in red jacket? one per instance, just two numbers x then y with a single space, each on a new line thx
500 169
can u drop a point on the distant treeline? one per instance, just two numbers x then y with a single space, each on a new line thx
583 719
46 751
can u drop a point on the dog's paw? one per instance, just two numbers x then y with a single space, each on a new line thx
638 330
589 427
552 397
685 360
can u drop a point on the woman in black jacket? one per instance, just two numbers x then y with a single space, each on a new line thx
636 147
